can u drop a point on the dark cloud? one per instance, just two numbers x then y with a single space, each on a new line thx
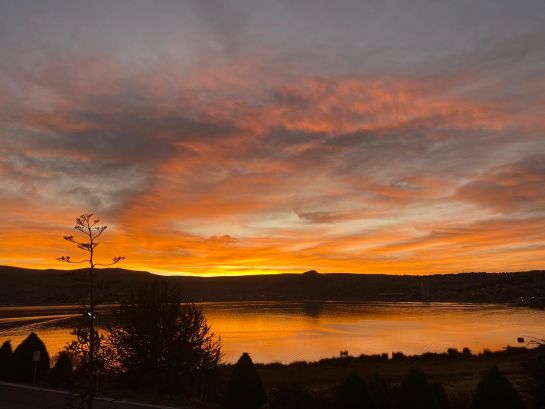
92 184
516 187
319 217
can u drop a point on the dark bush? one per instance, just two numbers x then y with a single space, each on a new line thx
245 389
398 355
62 373
380 392
6 356
23 366
416 393
494 391
440 395
353 393
164 346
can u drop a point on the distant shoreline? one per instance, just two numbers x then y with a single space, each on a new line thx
27 287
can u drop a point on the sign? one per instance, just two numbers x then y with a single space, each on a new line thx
36 356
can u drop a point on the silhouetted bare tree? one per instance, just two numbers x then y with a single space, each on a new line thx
88 339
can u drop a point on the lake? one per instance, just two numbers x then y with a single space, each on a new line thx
293 331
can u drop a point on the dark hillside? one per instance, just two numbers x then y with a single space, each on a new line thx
38 287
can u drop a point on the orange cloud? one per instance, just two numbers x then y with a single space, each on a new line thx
237 170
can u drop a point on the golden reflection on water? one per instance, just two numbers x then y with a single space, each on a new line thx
286 332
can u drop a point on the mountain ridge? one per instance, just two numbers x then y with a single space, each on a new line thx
23 286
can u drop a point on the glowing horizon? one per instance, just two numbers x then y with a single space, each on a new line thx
239 139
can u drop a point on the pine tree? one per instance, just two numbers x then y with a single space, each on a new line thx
245 389
494 391
163 345
440 395
23 365
353 393
62 372
416 393
6 356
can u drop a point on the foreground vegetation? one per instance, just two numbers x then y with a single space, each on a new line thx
514 378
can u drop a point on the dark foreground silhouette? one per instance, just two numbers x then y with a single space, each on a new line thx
378 382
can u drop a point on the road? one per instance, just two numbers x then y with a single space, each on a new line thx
14 396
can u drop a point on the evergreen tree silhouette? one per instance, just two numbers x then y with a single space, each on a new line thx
62 373
6 356
494 391
245 389
23 365
416 393
353 393
440 395
163 345
380 391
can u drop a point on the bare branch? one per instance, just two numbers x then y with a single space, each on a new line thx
67 259
72 240
100 230
115 260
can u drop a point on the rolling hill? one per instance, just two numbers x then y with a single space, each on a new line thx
22 286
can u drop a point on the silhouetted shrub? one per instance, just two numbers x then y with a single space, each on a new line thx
245 389
6 356
353 393
163 345
398 355
416 393
494 391
440 395
62 372
380 392
296 397
23 365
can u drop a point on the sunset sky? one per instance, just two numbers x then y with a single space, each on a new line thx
241 137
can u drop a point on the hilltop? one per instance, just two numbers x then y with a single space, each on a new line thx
22 286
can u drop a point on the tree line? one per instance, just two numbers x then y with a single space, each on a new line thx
185 367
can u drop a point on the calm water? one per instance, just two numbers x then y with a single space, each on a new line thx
286 332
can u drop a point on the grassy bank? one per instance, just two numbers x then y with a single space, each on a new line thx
458 372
